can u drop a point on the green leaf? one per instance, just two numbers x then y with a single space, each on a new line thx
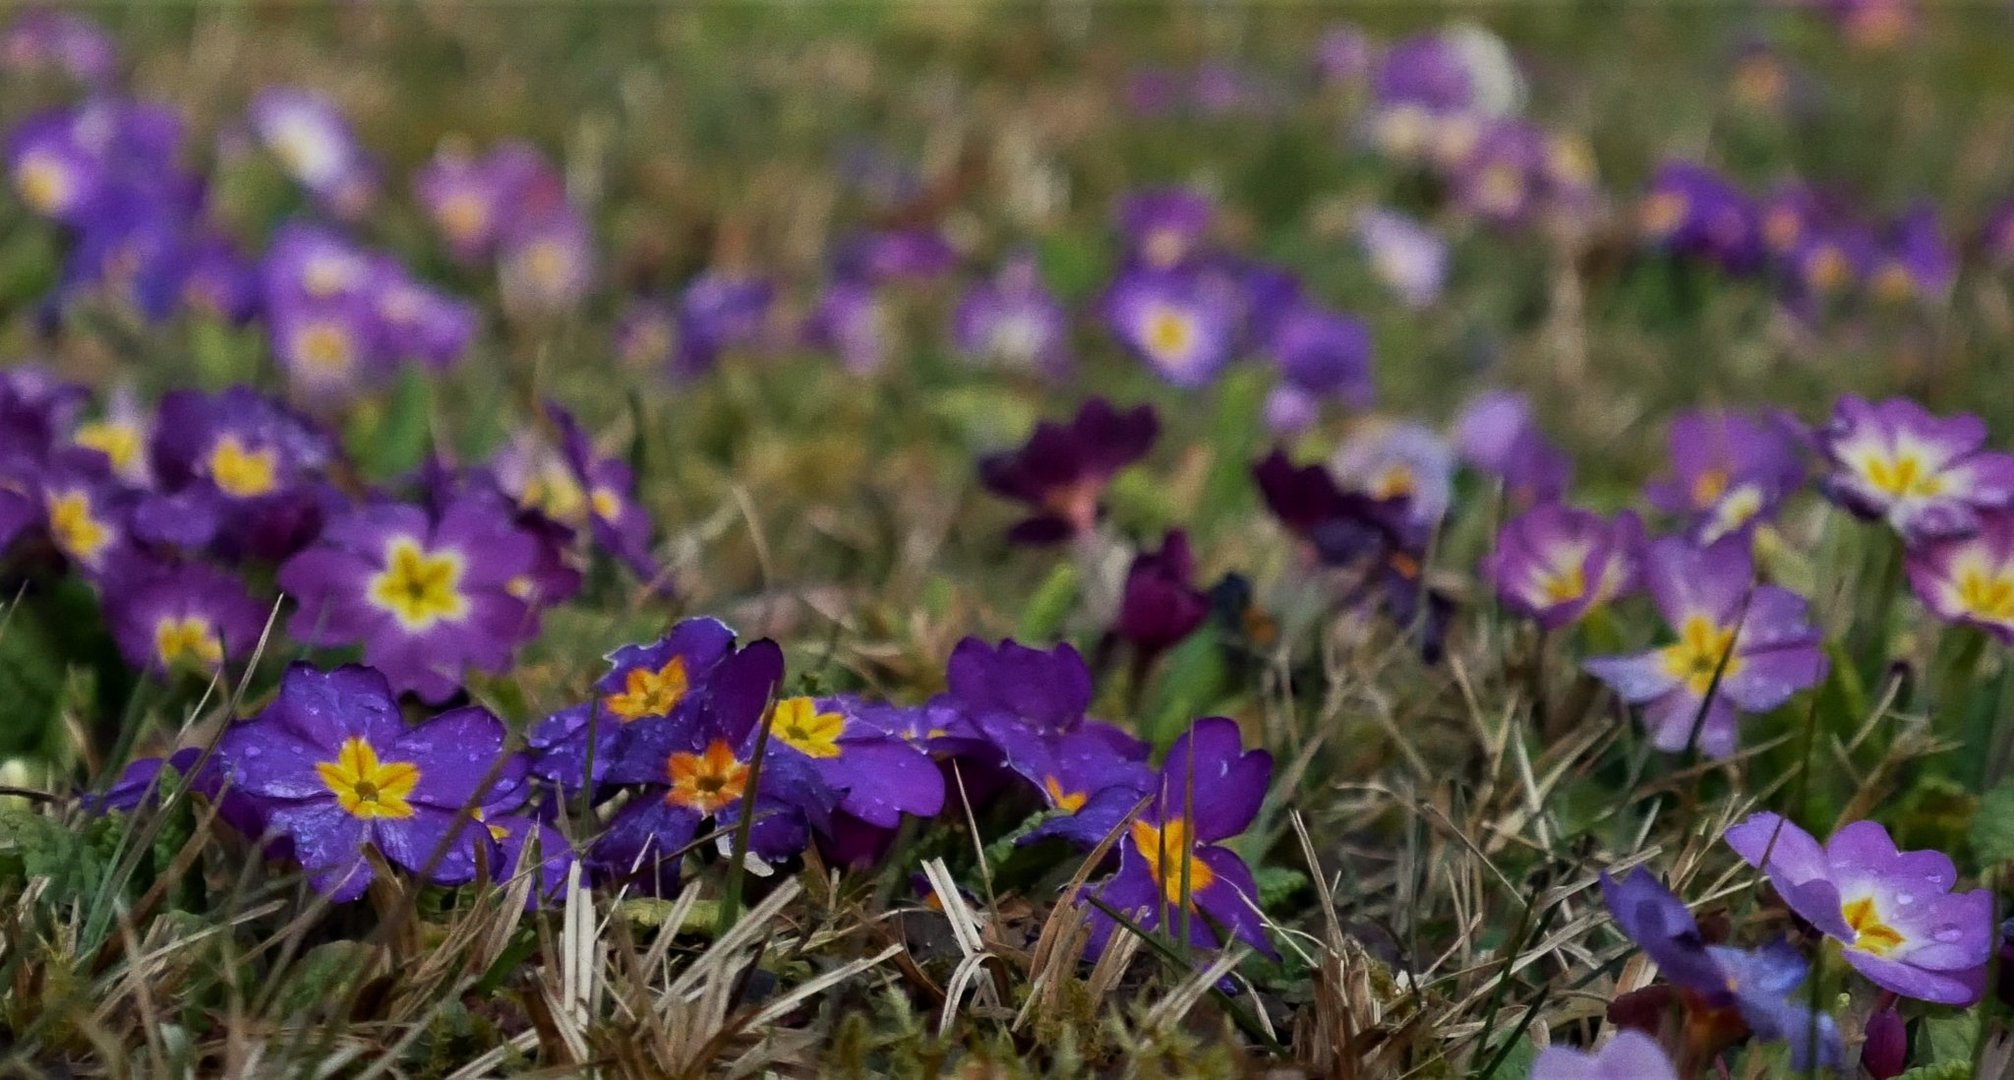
1193 678
1042 619
46 849
1952 1038
1949 1070
1992 831
399 439
1278 884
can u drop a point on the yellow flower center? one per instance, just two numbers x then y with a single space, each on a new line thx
1902 475
1708 487
1170 333
606 503
1986 595
366 787
76 530
462 216
120 443
1870 934
418 587
1564 585
650 693
241 472
1829 269
328 274
1067 801
1893 283
1169 852
553 491
708 781
189 639
43 182
324 349
549 264
1396 481
1697 653
802 727
1502 188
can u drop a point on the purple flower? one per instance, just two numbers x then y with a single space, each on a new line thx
644 681
1729 470
546 266
1969 579
1062 470
312 141
1832 259
879 776
1092 776
1344 54
1554 563
1400 461
88 514
1695 211
1740 645
1014 321
427 596
1495 434
45 39
1160 605
852 320
1411 259
1164 229
1630 1055
419 322
477 202
618 522
1501 176
645 333
696 764
121 434
1013 685
1927 476
1173 873
1321 354
1895 913
186 616
1182 330
334 768
236 472
1754 984
1918 263
1885 1054
718 311
1428 71
1341 526
895 255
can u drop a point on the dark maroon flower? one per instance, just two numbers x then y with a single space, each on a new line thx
1062 470
1161 606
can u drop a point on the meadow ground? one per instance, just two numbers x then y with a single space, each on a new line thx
1006 539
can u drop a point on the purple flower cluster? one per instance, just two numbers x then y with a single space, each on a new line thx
1819 248
511 205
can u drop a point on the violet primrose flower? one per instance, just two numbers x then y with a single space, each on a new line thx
1208 790
426 596
1182 330
187 616
1554 564
1927 476
1630 1055
574 746
1970 579
1751 645
1729 470
335 768
1713 980
1895 912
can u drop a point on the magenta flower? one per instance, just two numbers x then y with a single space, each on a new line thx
334 768
1208 791
615 517
1927 476
1894 911
1161 605
1741 646
1969 579
427 596
1729 470
1554 563
191 615
1063 469
1630 1055
1180 329
44 39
